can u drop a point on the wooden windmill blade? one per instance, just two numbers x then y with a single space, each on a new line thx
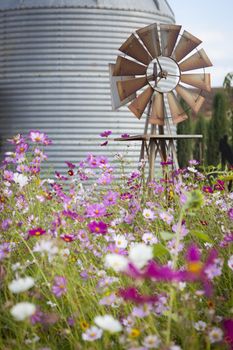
186 44
150 38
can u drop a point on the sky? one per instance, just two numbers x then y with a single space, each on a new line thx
212 22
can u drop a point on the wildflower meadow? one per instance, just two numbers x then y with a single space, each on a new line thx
94 259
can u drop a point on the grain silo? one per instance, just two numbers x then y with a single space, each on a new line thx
54 70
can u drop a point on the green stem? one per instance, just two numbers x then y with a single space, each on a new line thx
174 265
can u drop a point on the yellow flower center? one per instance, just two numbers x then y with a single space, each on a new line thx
195 267
134 333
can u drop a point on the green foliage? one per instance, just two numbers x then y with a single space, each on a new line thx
184 147
199 148
217 128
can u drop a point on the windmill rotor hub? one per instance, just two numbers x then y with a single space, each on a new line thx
163 74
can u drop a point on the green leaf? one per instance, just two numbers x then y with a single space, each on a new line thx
159 250
166 235
202 236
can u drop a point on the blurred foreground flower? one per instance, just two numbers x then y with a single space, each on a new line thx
23 310
108 323
21 284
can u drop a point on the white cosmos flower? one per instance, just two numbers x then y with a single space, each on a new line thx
23 310
140 254
108 323
21 284
215 335
20 179
120 241
116 262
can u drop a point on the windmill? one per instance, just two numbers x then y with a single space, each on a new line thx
150 74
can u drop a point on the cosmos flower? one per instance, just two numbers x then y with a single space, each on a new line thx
215 335
98 227
21 284
105 133
68 237
132 294
36 232
140 254
59 286
5 249
230 213
148 214
116 262
230 262
151 341
110 198
92 333
20 179
149 238
39 137
22 310
95 210
120 241
108 323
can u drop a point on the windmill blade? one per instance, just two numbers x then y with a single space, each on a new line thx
186 44
128 87
150 38
126 67
139 104
194 100
200 81
132 47
198 60
177 112
157 112
169 34
116 102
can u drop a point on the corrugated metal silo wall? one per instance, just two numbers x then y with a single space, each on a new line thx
54 77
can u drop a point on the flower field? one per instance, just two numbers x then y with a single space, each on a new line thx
89 260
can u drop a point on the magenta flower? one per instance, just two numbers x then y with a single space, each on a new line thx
124 136
68 237
70 165
104 143
219 186
228 331
106 133
95 210
98 227
132 294
59 286
39 137
36 232
207 189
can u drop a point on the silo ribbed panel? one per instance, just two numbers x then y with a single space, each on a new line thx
54 77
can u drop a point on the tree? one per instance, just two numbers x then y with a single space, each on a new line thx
228 86
217 128
184 147
199 149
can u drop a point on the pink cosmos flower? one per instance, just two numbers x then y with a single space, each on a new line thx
59 286
132 294
95 210
68 237
106 133
124 136
36 232
111 198
5 249
207 189
228 332
105 179
8 175
70 165
230 213
98 227
21 148
37 136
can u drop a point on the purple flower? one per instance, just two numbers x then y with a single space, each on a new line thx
111 198
4 250
106 133
105 179
21 148
95 210
70 165
124 136
227 239
6 224
8 175
132 294
98 227
39 137
59 286
230 213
